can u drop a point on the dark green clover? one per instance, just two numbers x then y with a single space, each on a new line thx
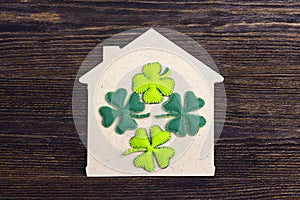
184 122
126 113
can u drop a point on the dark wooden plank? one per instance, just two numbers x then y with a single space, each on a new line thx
255 44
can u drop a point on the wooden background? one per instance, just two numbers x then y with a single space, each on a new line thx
255 44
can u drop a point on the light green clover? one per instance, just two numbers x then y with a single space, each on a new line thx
152 84
150 146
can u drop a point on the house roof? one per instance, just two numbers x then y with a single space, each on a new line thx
151 38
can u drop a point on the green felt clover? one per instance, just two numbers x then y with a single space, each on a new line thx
141 143
183 122
125 113
152 84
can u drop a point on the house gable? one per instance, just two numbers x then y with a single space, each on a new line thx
150 39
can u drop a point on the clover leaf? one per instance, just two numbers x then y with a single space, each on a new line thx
141 143
125 113
152 84
183 122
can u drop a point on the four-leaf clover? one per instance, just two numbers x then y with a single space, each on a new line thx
152 84
183 122
126 113
150 146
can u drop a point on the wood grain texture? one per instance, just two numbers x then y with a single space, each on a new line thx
255 44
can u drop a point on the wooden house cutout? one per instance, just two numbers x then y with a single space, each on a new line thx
105 160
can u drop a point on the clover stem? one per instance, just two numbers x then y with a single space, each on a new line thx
165 116
139 116
165 73
129 151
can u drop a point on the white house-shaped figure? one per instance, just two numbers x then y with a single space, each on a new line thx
103 158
